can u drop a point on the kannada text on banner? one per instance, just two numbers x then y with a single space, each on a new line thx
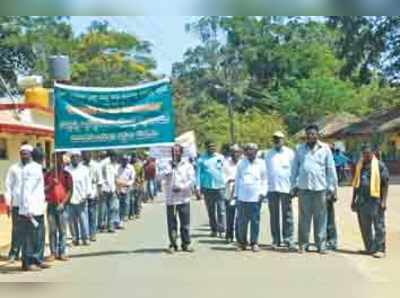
112 118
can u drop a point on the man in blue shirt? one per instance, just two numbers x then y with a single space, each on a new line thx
313 179
210 181
341 162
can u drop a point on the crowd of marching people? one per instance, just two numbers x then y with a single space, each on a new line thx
82 194
235 187
86 193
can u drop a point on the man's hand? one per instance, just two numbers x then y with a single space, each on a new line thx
383 205
353 206
198 194
294 192
176 189
332 196
60 207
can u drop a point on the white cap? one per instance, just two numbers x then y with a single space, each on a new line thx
251 146
235 147
26 147
74 152
279 134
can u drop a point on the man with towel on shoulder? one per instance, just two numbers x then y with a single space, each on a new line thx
370 183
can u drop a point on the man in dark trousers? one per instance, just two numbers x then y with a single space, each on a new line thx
371 183
179 182
210 180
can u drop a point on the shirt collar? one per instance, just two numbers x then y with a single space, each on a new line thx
182 162
318 145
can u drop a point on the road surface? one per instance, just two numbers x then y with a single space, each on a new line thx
135 261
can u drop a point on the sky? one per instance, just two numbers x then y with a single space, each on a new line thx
166 33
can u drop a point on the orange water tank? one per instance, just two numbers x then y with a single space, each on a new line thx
37 96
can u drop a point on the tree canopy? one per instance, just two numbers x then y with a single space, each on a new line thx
290 70
101 56
278 72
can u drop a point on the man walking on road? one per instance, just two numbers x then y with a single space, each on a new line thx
109 210
210 181
179 182
313 179
279 162
150 172
137 192
230 168
81 186
370 183
124 181
58 188
25 187
93 167
250 190
13 196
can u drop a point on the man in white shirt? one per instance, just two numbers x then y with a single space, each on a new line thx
124 183
81 186
25 190
110 204
250 190
230 167
279 161
179 182
92 165
314 180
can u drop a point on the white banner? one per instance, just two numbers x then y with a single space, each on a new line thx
186 140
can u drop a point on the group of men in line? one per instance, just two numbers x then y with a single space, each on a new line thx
90 193
84 193
235 187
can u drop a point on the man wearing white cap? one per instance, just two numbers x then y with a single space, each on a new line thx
81 190
25 190
250 189
279 162
230 168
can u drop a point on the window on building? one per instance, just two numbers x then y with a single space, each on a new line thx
3 149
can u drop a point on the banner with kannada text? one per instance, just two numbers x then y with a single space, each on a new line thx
91 118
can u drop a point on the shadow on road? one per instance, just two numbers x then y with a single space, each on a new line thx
120 252
203 229
199 236
222 248
10 270
150 251
216 241
100 253
350 252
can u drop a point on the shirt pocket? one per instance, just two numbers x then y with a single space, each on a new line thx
249 178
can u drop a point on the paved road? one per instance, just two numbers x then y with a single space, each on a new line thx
135 260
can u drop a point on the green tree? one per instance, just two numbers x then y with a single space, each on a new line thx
105 57
310 99
100 56
27 42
